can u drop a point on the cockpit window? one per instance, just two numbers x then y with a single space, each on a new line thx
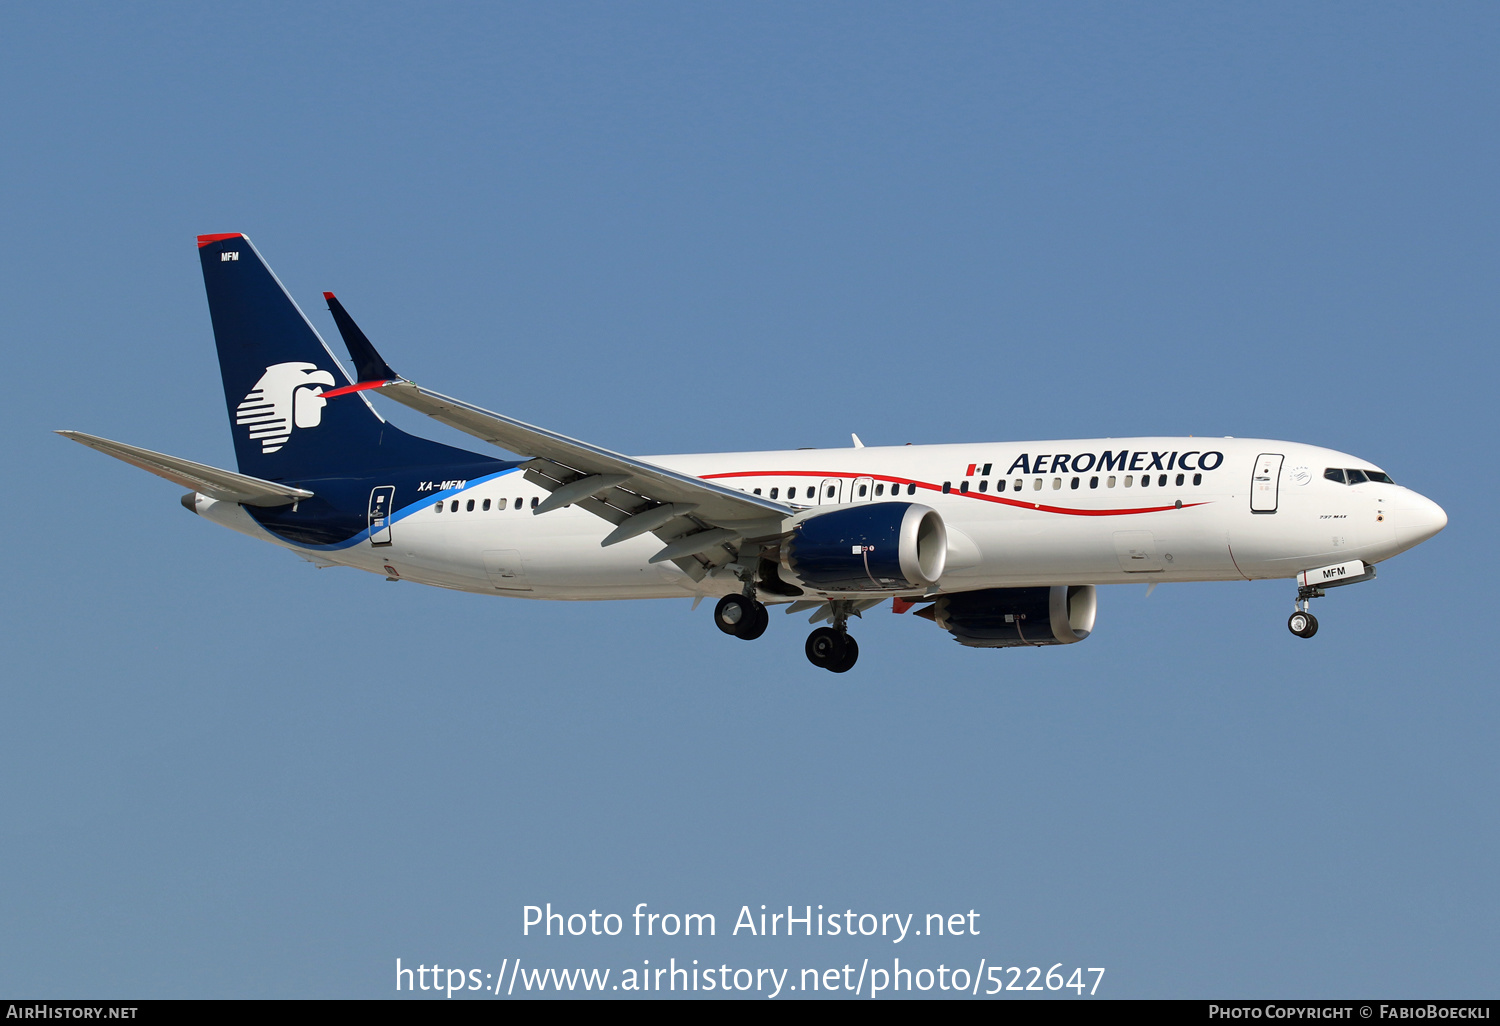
1354 476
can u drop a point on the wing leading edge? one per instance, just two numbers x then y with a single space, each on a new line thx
702 522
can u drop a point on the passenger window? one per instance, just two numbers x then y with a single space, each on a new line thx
1162 481
879 489
438 508
984 486
964 488
1181 478
1334 474
831 490
774 491
1127 480
1018 485
1036 485
1145 480
534 501
757 491
911 489
470 507
1356 476
1093 482
1074 485
1197 479
1000 485
1110 481
520 502
486 505
453 506
862 489
1056 483
947 487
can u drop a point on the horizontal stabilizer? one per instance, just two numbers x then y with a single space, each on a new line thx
210 481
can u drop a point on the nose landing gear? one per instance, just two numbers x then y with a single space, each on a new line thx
1302 623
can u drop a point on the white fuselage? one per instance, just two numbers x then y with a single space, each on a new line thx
1051 524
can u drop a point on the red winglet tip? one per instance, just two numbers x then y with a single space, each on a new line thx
328 295
204 240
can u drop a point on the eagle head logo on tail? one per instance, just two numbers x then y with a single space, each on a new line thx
287 396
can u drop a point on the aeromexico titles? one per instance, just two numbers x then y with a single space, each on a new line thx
1001 544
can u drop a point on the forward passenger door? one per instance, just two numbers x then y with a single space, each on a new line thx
1265 483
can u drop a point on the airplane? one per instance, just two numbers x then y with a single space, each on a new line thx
1002 544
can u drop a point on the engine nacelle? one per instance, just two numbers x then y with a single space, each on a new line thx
1009 617
881 546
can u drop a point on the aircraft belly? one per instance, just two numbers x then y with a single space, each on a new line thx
556 555
1189 544
1031 544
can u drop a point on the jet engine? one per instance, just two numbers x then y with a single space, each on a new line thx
1010 617
881 547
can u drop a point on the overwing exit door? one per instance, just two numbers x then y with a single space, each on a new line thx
381 501
831 491
1265 484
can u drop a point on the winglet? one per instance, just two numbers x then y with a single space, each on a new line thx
369 368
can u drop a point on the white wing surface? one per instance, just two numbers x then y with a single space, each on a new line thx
634 495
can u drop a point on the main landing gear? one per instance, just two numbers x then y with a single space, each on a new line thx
741 616
1302 623
831 648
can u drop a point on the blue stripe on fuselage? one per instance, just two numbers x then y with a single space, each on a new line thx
337 517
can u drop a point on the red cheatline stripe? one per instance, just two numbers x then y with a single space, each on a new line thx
204 240
957 494
347 389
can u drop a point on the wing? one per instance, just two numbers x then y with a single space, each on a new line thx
704 524
211 481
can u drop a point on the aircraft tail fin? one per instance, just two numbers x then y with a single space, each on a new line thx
276 368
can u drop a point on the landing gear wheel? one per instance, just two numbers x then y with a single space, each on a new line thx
733 614
1304 625
757 624
742 617
851 654
826 648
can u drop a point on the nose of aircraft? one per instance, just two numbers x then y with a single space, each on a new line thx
1419 519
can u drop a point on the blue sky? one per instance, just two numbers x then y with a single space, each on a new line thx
670 228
